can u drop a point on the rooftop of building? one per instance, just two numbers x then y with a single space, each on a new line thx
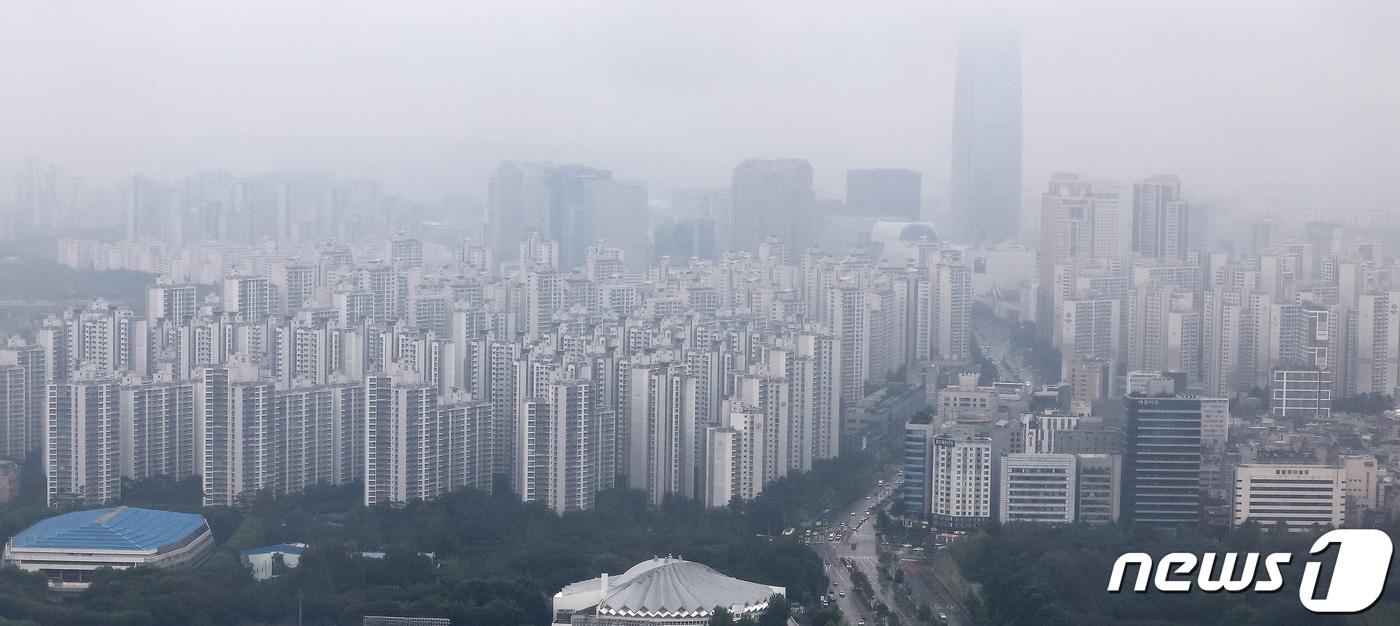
284 548
672 587
116 528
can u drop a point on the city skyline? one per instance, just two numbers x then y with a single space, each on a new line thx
884 315
1122 119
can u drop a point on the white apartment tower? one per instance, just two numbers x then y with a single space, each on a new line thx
849 319
82 442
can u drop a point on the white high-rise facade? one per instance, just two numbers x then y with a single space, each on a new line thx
962 481
82 442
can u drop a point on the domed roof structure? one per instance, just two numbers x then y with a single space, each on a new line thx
677 588
662 590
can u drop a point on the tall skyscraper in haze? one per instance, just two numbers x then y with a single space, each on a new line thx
986 176
773 197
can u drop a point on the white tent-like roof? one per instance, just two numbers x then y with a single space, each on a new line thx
667 588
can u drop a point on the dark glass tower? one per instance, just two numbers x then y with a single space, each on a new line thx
1162 468
986 176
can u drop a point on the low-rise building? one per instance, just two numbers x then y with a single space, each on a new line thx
1298 496
269 561
664 591
1099 480
69 548
1038 488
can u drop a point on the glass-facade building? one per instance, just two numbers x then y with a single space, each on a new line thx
1162 468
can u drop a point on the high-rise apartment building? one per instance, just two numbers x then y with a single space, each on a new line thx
1079 220
1375 356
82 445
159 430
850 320
252 298
1160 218
559 447
171 302
14 416
951 311
34 362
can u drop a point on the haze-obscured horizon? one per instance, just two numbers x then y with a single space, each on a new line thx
1253 103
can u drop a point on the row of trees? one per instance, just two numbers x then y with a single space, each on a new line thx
1372 404
469 556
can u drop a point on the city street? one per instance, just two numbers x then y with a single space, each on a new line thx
859 546
995 340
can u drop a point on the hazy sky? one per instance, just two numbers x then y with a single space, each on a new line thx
1237 97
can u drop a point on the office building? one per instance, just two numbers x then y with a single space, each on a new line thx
1099 488
918 453
1300 497
1162 464
1038 488
961 498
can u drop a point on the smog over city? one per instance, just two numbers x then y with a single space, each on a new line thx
626 313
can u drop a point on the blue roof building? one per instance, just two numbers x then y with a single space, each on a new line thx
68 548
